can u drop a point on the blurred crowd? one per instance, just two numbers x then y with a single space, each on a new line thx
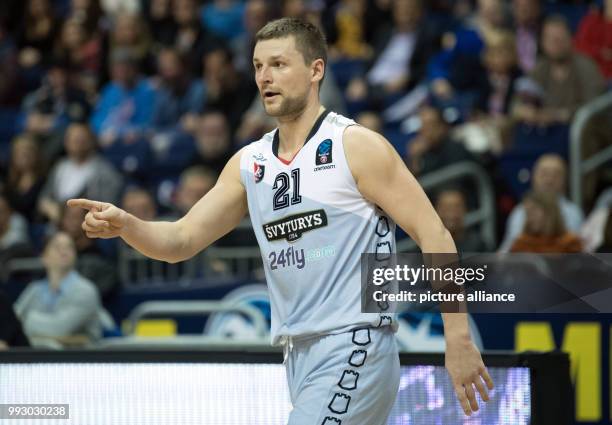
142 102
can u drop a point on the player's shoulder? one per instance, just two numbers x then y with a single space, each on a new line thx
361 141
339 120
260 146
367 152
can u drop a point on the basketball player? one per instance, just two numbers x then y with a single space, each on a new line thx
311 188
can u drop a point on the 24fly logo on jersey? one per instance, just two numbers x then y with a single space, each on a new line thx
258 172
324 152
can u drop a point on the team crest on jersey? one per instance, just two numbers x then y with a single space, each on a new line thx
258 172
324 152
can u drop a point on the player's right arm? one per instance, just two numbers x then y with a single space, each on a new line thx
213 216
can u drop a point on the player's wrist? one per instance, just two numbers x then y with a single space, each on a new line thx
456 328
127 220
458 338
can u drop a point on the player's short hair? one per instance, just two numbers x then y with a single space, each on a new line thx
309 40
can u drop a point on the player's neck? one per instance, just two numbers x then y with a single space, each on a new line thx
294 130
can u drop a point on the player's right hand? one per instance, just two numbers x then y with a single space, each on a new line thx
103 220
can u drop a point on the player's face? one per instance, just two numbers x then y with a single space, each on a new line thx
282 76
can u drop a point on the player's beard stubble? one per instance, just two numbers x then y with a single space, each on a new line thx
288 107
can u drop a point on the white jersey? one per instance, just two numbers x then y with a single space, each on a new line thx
312 225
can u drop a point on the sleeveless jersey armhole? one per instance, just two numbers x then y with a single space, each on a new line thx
244 166
350 179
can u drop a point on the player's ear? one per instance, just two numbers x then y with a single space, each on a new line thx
317 69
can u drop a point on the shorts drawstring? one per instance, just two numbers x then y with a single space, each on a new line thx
287 343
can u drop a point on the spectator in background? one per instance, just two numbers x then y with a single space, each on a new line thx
187 34
91 262
567 79
293 8
10 82
130 33
82 173
63 308
432 148
594 37
14 240
11 331
490 17
51 108
350 28
311 11
37 34
26 176
456 71
140 203
223 18
452 208
227 90
490 128
115 8
178 96
90 14
159 17
527 17
544 230
401 53
125 107
501 68
81 47
256 14
195 182
213 140
549 176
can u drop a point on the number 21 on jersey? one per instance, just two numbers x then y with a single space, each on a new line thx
281 186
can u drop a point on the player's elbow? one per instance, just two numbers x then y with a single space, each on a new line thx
174 260
181 245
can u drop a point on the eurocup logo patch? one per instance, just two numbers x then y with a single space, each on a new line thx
258 172
324 152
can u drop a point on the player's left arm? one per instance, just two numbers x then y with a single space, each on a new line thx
383 179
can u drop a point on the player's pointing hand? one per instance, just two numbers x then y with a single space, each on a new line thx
103 220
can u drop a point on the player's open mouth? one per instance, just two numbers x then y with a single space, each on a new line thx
270 95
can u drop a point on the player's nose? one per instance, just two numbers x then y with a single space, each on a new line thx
264 76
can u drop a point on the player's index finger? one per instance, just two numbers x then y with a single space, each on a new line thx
84 203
